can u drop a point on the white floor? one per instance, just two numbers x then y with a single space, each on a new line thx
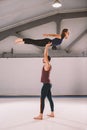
18 113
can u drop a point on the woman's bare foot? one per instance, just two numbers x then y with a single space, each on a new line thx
40 117
18 40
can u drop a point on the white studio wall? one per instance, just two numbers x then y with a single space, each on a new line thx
21 76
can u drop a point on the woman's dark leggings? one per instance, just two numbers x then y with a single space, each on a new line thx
46 92
37 42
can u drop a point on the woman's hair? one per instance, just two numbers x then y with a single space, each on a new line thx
63 32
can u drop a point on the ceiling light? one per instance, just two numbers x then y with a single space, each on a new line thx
56 4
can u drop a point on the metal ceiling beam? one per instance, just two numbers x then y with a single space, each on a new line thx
56 18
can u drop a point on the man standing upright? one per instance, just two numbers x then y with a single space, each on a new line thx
46 88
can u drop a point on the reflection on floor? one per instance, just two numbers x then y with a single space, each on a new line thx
18 113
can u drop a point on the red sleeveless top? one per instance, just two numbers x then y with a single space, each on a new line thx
45 76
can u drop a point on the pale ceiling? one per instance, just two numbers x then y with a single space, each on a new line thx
16 12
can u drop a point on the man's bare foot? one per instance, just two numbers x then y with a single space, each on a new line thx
51 115
40 117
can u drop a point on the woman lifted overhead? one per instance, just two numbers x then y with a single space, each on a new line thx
57 40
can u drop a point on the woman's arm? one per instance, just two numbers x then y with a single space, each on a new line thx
53 35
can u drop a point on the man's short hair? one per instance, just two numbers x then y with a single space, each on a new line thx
49 58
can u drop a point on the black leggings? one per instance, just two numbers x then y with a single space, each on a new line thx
46 92
38 42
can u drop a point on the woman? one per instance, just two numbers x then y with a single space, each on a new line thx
58 38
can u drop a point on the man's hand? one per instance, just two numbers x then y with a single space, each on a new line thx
48 45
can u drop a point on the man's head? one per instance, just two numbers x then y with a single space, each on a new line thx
49 59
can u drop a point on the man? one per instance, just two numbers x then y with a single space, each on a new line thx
46 89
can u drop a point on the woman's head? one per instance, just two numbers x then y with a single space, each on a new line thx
65 33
